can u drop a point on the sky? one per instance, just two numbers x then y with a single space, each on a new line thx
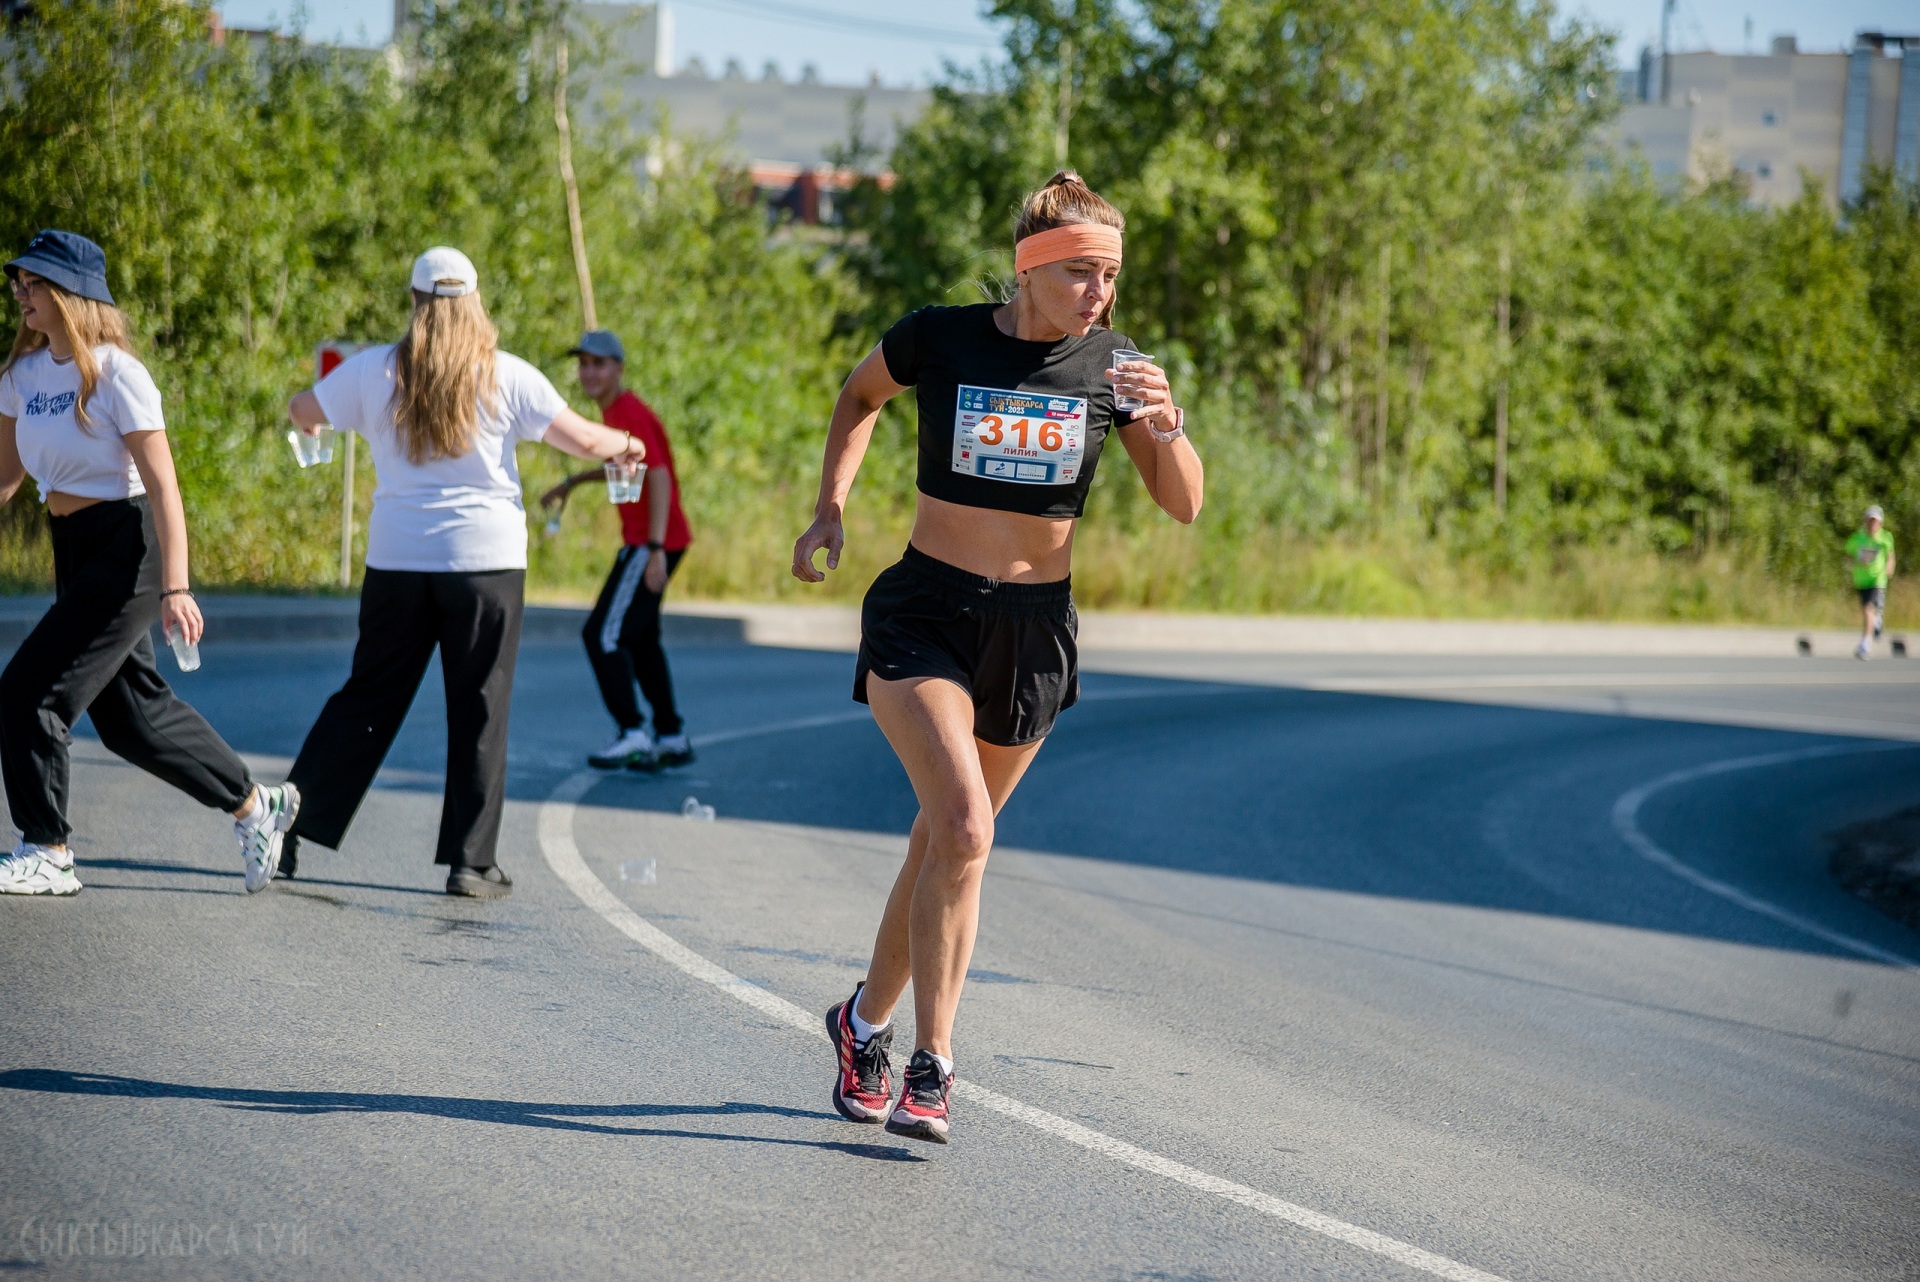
852 40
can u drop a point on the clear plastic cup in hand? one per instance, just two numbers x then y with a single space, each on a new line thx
185 653
1121 355
624 481
308 450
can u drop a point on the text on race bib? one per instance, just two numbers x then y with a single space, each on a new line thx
1024 437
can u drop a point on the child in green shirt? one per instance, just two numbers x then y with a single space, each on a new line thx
1870 556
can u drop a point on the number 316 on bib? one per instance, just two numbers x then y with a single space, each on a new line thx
1023 437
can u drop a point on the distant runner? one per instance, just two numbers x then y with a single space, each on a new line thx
623 630
80 414
967 650
1870 556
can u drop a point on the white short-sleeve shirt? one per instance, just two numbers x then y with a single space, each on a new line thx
452 514
40 394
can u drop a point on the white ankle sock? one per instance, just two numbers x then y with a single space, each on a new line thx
862 1030
256 809
946 1065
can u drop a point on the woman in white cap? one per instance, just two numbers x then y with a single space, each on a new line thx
442 411
81 415
967 644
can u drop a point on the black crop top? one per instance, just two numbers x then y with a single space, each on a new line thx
1006 424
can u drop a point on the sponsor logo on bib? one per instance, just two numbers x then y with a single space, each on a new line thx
1020 437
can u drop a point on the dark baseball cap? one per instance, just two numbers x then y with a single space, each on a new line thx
600 342
69 260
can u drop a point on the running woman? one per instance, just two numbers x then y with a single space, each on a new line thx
80 414
442 411
1870 556
967 648
622 632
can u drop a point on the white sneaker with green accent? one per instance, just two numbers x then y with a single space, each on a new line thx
38 870
261 840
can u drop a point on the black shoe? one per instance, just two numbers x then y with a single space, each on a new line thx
672 750
922 1111
479 883
289 857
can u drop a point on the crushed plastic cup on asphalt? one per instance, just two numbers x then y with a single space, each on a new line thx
639 870
692 809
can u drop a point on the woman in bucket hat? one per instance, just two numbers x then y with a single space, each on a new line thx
80 414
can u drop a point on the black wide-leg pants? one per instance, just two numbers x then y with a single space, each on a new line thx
474 620
93 653
623 644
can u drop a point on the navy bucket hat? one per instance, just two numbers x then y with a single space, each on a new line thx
69 260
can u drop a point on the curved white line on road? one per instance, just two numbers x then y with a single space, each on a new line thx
1626 822
563 856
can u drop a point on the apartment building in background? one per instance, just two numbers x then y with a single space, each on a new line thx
1775 116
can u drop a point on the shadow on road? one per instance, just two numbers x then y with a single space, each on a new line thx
562 1117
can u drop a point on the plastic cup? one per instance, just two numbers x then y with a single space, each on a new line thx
624 481
185 653
308 450
1121 355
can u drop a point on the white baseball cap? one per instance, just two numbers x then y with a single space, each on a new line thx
440 264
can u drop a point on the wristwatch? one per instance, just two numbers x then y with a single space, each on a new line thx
1179 426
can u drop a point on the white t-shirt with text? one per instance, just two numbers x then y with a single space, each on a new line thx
452 514
40 394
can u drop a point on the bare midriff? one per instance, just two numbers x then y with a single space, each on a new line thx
67 504
1010 546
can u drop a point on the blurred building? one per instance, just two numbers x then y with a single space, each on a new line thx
1774 116
788 132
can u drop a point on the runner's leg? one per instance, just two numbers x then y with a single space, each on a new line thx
933 912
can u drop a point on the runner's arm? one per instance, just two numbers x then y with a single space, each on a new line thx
12 470
1172 470
154 459
867 389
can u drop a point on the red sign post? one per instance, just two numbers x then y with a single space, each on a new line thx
327 358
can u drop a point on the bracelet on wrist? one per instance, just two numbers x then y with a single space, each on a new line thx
655 545
176 592
1179 427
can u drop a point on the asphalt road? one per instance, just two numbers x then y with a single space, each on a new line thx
1498 961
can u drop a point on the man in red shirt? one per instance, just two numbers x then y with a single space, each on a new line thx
623 630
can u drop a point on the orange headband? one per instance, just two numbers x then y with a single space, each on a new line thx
1075 240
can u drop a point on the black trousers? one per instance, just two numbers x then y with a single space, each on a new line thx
474 620
93 653
623 644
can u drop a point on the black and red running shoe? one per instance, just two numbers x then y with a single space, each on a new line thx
922 1113
863 1085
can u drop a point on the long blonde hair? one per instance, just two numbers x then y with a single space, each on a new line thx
1063 201
442 373
89 323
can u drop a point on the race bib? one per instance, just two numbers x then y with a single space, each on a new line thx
1024 437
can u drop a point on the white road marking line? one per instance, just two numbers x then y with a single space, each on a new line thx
1626 822
1578 680
563 856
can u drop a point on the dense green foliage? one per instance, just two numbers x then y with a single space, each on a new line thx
1328 203
1326 200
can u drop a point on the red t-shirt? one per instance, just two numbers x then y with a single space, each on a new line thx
629 413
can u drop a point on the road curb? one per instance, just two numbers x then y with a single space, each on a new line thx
834 627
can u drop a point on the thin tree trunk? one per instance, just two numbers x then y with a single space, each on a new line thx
1380 395
574 229
1502 317
1064 117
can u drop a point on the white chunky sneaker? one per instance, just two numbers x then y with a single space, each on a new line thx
38 870
261 840
1862 651
674 750
632 750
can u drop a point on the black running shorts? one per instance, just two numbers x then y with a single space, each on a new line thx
1009 645
1875 597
